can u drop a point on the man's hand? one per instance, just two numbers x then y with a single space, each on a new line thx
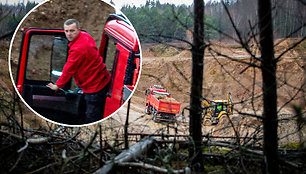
53 87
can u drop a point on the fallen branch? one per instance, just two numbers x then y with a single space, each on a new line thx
292 164
43 168
29 140
11 135
34 141
232 146
24 147
149 167
38 140
131 154
86 148
16 163
186 136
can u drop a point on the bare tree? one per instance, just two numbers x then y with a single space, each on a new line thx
195 152
268 68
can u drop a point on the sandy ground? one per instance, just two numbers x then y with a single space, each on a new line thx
220 77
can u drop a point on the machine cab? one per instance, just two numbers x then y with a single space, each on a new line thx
217 106
43 54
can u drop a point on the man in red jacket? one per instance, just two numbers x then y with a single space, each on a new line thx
86 66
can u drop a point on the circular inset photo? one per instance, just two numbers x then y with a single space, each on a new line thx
75 62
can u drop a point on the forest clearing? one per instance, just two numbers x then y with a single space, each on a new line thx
173 72
233 60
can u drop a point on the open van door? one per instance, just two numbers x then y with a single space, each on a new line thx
120 51
43 55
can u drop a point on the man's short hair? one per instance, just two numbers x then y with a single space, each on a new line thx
71 21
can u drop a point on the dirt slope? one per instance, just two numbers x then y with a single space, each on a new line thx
220 77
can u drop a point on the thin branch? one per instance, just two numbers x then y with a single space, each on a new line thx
221 32
17 162
154 36
243 44
180 72
302 2
292 98
155 77
43 168
290 35
230 74
250 115
178 20
234 59
290 48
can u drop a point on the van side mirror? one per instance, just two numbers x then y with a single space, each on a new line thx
147 92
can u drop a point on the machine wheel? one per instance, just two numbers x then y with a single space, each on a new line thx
153 116
223 120
207 122
147 110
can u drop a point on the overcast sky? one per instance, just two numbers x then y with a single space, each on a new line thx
118 3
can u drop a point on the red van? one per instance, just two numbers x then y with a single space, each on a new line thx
43 54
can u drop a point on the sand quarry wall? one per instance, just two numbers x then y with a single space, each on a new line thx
222 76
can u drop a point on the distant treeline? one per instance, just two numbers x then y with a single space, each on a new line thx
155 19
11 15
169 21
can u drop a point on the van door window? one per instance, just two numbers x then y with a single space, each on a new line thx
110 54
58 58
38 64
47 56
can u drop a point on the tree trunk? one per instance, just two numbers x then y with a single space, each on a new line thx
268 68
126 126
195 150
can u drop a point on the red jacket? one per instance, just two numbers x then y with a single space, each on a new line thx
85 65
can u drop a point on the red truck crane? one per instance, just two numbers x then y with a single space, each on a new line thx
43 54
160 105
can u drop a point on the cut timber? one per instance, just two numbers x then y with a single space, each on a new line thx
129 155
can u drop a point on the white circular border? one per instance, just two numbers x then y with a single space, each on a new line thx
62 124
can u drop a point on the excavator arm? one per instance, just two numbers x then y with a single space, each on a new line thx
230 104
205 103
